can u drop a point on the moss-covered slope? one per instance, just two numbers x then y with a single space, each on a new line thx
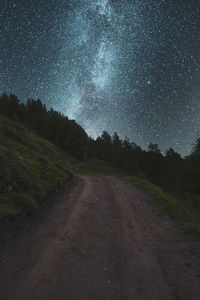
30 169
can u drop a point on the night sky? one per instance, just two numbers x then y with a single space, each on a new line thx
115 65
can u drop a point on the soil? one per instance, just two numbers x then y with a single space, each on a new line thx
103 241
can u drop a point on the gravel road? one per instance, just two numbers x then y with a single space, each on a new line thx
103 241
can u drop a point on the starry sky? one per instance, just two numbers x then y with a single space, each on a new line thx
129 66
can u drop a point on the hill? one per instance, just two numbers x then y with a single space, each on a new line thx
31 169
40 151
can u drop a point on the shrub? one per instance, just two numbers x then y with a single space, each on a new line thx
24 203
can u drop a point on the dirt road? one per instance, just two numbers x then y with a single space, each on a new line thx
104 241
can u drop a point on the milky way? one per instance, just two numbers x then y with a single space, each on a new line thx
115 65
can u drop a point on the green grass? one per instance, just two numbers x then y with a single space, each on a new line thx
30 169
164 203
96 167
169 205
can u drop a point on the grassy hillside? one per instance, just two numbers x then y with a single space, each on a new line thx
169 205
30 169
96 167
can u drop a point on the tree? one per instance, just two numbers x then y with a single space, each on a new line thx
171 154
154 148
196 148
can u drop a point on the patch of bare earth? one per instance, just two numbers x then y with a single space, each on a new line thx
103 241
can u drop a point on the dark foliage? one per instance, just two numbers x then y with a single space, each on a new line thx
51 125
174 174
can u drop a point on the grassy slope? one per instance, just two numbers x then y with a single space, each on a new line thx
95 167
165 203
169 205
30 169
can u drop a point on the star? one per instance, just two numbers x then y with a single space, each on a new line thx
125 66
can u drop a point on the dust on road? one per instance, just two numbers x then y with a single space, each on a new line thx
104 241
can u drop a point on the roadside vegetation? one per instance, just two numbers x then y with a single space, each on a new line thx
31 169
96 167
165 203
38 146
169 205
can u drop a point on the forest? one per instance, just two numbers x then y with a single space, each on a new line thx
176 175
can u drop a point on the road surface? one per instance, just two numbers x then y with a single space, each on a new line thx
104 241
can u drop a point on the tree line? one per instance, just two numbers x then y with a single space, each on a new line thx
177 175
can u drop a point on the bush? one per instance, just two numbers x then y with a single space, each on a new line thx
24 203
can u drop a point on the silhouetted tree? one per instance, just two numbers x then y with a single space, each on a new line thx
174 174
154 148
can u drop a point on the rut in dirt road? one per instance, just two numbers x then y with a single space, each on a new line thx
102 242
